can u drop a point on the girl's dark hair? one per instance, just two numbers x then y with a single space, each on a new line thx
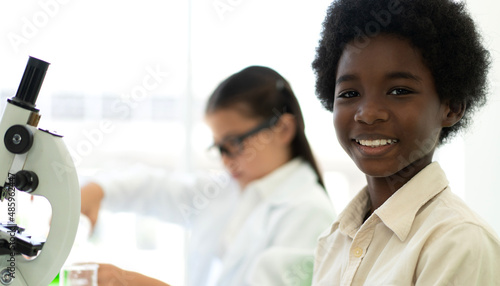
260 92
442 30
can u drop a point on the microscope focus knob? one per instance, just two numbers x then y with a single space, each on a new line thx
18 139
26 181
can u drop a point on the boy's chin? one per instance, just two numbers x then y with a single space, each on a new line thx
379 169
396 174
380 174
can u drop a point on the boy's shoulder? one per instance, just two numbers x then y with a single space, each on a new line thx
451 236
446 214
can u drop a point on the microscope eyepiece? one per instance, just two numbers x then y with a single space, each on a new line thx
31 83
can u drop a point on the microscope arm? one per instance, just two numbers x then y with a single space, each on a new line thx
58 183
54 177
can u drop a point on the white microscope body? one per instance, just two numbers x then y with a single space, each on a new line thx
35 161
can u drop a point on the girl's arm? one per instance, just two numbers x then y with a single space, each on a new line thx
168 196
91 197
139 189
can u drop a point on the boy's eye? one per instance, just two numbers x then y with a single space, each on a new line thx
400 91
348 94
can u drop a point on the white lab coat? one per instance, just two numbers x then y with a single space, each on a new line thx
271 244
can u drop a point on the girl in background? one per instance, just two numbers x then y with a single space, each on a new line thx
256 225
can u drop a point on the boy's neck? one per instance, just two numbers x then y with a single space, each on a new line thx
382 188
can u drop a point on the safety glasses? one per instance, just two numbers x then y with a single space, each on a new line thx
233 145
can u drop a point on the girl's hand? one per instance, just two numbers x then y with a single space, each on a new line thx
110 275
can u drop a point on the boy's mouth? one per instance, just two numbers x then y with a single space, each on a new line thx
376 143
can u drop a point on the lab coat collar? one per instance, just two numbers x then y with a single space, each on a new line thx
271 187
399 211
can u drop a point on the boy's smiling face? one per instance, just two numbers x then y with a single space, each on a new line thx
387 113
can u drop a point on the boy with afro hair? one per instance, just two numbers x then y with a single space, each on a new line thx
401 78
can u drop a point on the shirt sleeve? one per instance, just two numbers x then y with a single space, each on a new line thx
466 254
170 196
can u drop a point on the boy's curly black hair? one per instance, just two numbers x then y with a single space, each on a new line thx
442 30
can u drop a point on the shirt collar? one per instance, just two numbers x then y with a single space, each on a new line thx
399 211
352 217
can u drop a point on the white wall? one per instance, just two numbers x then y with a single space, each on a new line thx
482 148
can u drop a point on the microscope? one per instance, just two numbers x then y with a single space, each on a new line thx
34 161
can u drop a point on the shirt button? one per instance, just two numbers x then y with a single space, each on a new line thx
358 251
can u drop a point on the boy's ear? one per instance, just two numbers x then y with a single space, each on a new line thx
454 111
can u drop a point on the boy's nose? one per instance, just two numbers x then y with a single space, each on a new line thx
371 110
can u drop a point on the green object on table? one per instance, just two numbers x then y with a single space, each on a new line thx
55 282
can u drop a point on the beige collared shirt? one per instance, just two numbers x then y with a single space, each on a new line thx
422 235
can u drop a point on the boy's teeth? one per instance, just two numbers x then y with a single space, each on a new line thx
376 143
